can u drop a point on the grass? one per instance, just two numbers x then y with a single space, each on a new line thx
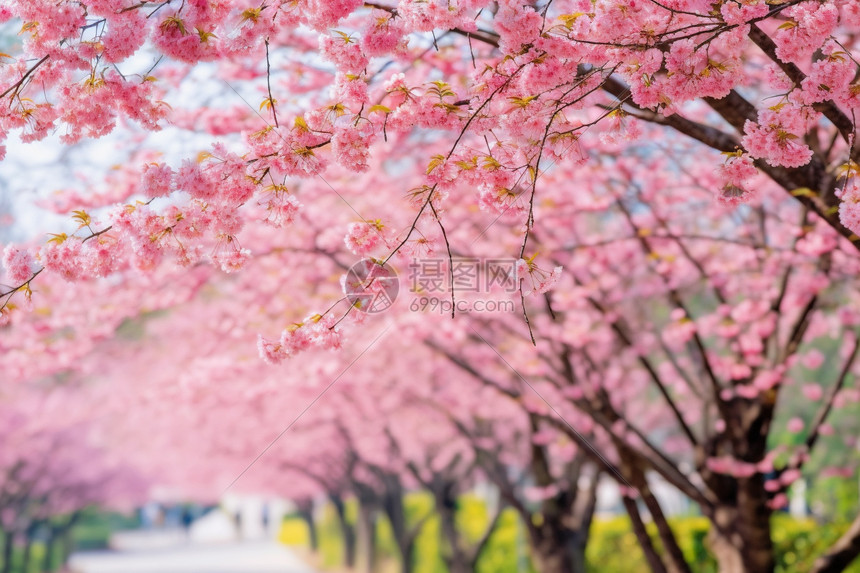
612 547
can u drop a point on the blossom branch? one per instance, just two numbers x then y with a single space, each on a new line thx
25 286
841 121
17 85
271 100
822 414
675 299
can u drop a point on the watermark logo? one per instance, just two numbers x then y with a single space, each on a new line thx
467 275
371 286
447 306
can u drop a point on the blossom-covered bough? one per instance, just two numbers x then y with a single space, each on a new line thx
771 85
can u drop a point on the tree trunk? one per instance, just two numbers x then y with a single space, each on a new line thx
740 536
306 512
30 539
674 557
554 553
651 556
8 542
842 553
68 543
28 550
392 504
558 543
48 557
347 532
367 535
457 560
734 559
407 550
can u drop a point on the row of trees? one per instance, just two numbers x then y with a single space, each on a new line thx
55 466
674 345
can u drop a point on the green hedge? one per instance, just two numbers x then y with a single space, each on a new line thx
92 531
499 556
94 528
612 546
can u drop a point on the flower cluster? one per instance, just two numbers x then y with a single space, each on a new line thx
777 135
810 24
849 207
362 238
90 108
741 12
828 79
314 332
734 175
344 52
19 264
534 280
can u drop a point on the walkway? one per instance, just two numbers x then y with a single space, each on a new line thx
231 557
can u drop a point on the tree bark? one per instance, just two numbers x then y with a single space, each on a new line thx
557 551
367 535
740 536
396 513
478 549
641 532
25 560
392 505
407 552
558 542
676 561
48 557
457 559
68 543
672 557
307 515
28 550
347 531
8 542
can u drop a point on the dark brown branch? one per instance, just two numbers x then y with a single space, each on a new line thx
14 87
710 136
842 553
841 121
96 234
269 85
651 556
621 330
479 547
736 110
822 414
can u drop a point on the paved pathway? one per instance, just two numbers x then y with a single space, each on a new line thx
230 557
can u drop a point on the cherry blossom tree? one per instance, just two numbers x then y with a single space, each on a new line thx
661 296
771 86
44 483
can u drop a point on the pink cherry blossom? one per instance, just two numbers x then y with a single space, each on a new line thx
19 264
795 425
